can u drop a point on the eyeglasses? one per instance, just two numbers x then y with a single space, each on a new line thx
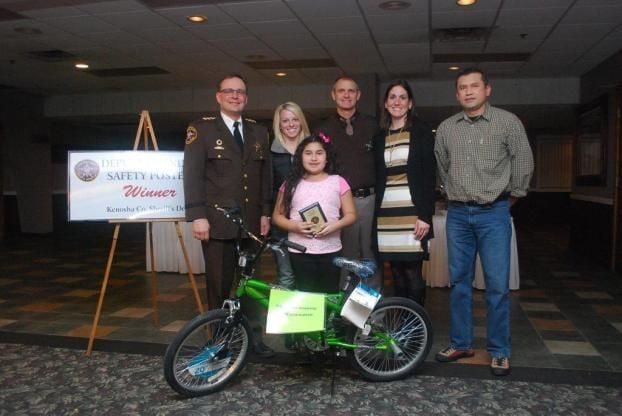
231 91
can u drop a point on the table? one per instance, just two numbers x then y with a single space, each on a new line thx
436 270
168 254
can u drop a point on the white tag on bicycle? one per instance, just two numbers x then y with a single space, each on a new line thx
359 305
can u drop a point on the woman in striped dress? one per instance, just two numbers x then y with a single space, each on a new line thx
405 187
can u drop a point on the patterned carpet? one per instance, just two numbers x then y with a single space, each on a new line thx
40 380
566 330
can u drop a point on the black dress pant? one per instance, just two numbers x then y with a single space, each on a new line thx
408 280
316 272
220 263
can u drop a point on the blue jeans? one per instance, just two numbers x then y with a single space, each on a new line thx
486 230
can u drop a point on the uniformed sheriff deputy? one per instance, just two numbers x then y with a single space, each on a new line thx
226 164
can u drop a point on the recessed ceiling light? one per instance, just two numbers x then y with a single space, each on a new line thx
454 68
465 2
393 5
82 65
197 19
281 74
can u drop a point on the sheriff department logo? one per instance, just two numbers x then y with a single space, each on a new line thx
86 170
191 135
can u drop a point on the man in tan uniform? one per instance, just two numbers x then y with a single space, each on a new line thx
226 164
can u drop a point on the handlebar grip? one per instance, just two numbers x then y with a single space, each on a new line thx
295 246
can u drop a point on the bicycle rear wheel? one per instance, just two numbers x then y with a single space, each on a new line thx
206 354
399 341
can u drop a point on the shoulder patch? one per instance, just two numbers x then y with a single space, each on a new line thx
250 120
191 135
211 118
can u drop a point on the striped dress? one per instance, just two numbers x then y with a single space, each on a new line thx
397 215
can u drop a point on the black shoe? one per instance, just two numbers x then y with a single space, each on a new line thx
262 350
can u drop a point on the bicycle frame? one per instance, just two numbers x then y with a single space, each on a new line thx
259 290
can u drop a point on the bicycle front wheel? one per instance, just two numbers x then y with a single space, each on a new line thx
206 354
399 341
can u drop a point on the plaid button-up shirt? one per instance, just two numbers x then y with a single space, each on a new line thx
478 160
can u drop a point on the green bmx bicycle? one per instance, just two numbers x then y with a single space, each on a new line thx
212 349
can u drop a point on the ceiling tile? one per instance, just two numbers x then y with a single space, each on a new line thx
516 33
168 34
591 32
587 3
484 18
248 54
290 42
80 25
597 54
531 17
107 7
240 44
185 47
536 4
353 24
512 46
113 39
306 9
257 11
457 47
303 53
137 21
407 36
278 27
398 22
220 32
54 12
69 42
595 14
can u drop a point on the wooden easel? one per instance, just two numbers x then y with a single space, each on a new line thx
146 133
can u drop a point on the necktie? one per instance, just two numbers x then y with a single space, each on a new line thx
349 129
238 135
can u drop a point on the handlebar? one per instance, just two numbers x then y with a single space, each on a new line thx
293 245
233 214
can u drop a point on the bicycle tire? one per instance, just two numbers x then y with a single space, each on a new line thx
406 324
206 354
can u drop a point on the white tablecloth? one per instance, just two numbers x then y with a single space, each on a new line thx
436 271
168 254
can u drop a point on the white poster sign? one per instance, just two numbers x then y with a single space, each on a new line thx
125 185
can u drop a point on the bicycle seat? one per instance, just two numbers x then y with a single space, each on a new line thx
364 268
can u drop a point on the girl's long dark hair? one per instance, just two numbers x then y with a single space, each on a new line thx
297 171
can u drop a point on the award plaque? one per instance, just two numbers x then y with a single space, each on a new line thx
315 215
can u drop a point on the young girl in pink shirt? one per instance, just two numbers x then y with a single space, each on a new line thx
313 179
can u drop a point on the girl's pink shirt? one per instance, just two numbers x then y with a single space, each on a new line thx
328 193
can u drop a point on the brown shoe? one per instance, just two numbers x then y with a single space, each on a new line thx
450 354
500 366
